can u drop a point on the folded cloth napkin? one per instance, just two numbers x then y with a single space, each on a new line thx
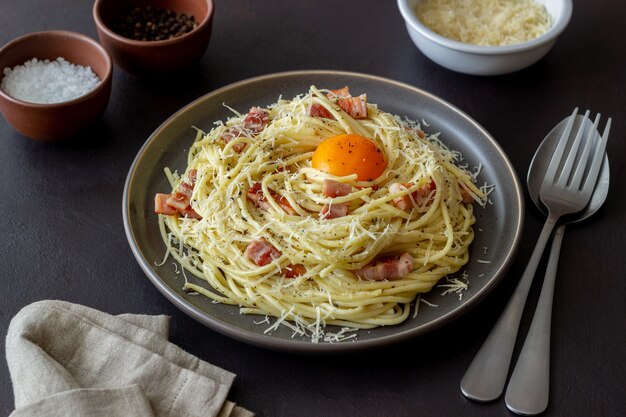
69 360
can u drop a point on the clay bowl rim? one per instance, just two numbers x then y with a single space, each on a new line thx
97 7
60 33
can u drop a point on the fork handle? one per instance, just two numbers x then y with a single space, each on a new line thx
529 387
485 378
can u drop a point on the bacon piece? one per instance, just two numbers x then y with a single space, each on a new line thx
332 211
191 213
192 174
343 92
402 202
285 205
238 147
354 106
317 110
293 271
417 131
233 133
261 252
185 188
254 122
466 197
255 194
387 267
181 198
256 119
332 188
423 194
161 206
180 201
417 198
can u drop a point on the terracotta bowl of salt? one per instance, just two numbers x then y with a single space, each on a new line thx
154 37
54 84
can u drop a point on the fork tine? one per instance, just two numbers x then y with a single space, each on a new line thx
571 156
584 157
559 150
598 158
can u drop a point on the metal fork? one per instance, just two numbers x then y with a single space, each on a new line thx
529 387
566 188
564 191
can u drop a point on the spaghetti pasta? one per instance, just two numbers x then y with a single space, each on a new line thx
253 229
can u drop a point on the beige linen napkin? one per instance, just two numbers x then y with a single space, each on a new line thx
69 360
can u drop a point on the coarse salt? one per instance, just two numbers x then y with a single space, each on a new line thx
48 81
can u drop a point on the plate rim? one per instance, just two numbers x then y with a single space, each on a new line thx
294 345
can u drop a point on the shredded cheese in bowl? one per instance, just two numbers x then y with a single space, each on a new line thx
485 22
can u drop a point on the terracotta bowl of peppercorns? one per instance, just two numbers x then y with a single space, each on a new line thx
148 37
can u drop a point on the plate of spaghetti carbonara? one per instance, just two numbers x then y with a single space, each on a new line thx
322 210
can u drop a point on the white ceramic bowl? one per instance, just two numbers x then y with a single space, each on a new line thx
485 60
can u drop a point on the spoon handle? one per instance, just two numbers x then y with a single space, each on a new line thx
529 387
485 378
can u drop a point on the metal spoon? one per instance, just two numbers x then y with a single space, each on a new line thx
486 376
529 387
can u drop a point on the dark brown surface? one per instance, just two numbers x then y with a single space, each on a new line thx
63 235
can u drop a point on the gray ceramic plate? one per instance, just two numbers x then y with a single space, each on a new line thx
498 225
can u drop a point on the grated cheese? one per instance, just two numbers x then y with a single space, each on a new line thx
329 249
428 303
417 305
485 22
455 286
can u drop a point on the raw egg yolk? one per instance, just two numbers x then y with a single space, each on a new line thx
350 154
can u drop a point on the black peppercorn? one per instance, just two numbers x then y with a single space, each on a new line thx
152 24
